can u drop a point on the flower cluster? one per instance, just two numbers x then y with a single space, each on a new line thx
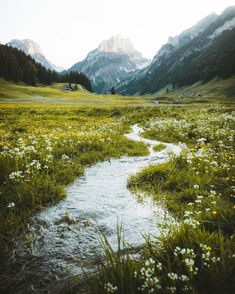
17 176
110 288
147 275
187 256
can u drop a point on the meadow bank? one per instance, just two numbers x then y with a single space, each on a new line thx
45 146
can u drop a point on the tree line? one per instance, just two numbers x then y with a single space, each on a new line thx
16 66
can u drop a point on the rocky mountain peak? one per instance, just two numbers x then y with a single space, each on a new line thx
28 46
33 49
117 44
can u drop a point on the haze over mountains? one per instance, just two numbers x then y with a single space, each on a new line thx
200 53
33 49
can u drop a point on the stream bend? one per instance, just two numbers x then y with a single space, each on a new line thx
65 237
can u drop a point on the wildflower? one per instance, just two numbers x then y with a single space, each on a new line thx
110 288
213 192
200 197
159 266
16 176
214 212
49 148
191 222
201 140
171 289
35 164
196 186
190 204
11 205
184 278
49 158
189 262
173 276
65 157
187 213
186 288
149 262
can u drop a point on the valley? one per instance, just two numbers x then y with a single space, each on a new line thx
117 172
48 144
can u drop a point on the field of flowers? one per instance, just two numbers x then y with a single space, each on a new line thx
43 149
198 188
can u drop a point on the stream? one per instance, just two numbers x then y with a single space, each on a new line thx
65 239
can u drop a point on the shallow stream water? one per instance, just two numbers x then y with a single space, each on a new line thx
65 238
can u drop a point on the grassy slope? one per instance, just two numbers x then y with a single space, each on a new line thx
20 93
216 90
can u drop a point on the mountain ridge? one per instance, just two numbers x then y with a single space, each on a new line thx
200 58
33 49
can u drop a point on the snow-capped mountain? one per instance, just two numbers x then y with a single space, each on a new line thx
113 61
200 53
32 48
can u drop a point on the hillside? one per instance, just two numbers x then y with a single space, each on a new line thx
208 55
12 93
16 66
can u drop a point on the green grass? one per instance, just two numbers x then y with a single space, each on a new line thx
11 93
214 91
48 137
44 149
159 147
197 188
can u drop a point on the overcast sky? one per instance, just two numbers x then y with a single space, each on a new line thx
68 29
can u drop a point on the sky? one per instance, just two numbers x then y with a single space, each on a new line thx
67 30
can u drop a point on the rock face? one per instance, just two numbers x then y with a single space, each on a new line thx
32 48
200 53
113 61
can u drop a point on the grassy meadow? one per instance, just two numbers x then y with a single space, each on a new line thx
11 93
43 149
48 138
196 255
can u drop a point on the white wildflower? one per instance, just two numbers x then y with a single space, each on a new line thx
11 205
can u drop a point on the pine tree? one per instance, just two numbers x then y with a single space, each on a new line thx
113 92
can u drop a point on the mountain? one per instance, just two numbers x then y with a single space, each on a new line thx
192 32
205 51
113 61
33 49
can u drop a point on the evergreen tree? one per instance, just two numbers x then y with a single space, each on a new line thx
113 92
16 66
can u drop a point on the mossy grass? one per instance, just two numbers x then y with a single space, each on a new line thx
159 147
